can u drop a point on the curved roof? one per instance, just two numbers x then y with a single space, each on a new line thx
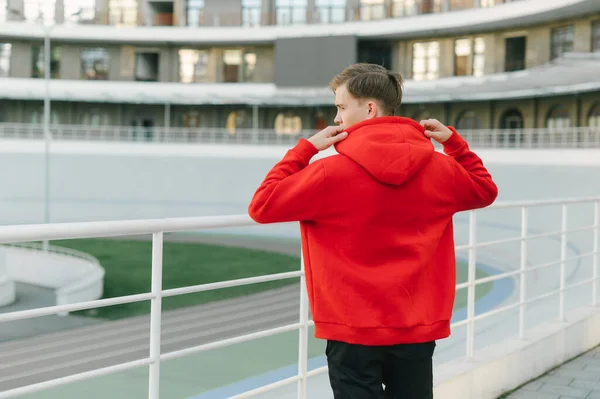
505 16
571 73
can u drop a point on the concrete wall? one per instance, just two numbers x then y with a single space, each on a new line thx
75 278
512 363
21 59
312 62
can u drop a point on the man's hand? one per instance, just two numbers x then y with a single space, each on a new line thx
436 130
328 137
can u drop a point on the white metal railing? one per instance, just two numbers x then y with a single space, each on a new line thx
158 227
576 137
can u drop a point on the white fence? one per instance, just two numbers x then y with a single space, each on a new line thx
157 227
576 137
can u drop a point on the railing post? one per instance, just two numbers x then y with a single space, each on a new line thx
471 286
595 256
523 287
303 335
155 315
563 257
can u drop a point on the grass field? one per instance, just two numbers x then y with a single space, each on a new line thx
128 271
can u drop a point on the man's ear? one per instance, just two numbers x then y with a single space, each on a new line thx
373 109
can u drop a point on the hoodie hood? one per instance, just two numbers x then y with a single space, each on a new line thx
391 148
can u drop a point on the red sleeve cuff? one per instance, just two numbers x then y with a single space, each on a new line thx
454 143
305 149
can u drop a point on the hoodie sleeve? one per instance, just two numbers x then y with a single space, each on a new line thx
473 184
293 190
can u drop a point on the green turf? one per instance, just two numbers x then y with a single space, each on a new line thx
128 270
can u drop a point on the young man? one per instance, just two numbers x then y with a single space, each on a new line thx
377 236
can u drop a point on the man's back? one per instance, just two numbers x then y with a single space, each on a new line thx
377 231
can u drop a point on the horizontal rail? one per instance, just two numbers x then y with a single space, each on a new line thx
231 341
501 276
230 283
60 231
74 378
267 388
527 237
50 310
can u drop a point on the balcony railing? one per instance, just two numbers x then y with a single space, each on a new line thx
551 259
247 16
577 137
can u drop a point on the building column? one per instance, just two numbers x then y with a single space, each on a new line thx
311 14
536 106
448 114
167 122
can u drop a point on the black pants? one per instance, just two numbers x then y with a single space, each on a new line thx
359 372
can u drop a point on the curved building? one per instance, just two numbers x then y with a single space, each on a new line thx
265 64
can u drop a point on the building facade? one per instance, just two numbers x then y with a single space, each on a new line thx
246 64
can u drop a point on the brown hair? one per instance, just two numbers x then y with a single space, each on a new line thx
371 81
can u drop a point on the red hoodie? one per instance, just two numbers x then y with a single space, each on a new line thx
376 226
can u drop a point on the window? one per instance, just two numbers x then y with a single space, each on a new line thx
404 8
288 123
191 119
290 12
238 120
490 3
469 57
511 119
5 50
79 11
232 60
562 41
558 117
596 36
251 12
375 52
95 64
330 11
320 121
467 120
372 9
456 5
3 9
95 118
39 62
146 66
249 67
426 60
462 53
420 115
37 116
193 66
37 11
514 59
594 116
195 12
123 12
239 66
